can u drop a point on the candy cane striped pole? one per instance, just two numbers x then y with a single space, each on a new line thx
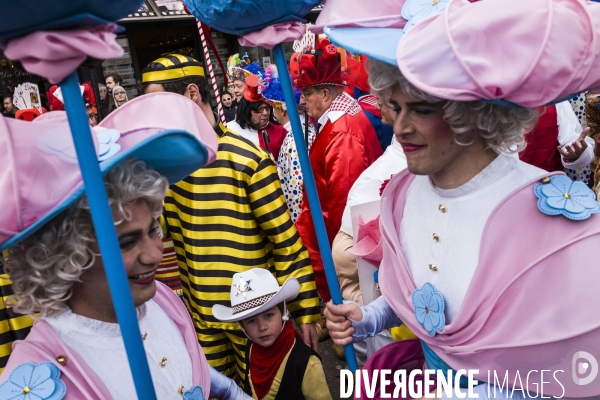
213 79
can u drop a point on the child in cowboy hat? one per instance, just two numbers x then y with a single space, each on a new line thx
278 365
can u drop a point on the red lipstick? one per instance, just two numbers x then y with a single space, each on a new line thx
409 147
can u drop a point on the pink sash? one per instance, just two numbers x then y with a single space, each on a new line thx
533 300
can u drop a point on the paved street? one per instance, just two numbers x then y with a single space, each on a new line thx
332 366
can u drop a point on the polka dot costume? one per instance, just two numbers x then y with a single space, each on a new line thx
581 174
290 173
578 103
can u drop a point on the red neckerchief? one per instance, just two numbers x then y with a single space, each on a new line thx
265 361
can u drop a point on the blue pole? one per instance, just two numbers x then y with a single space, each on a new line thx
107 238
311 192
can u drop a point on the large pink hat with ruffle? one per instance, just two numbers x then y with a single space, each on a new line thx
511 52
525 53
360 14
41 175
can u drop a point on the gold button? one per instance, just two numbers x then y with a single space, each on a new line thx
144 335
546 179
163 362
432 267
26 390
434 2
436 238
442 208
62 360
181 389
567 196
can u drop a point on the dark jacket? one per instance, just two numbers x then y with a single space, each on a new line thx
290 387
229 113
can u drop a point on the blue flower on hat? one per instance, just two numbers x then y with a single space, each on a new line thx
59 142
415 11
194 394
34 382
108 144
561 195
429 308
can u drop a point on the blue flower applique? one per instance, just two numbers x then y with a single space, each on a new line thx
415 11
560 195
60 143
194 394
429 308
34 382
108 142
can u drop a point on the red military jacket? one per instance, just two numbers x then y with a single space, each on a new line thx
341 151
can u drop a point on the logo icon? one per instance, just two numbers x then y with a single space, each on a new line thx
581 367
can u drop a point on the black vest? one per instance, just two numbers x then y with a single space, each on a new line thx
293 374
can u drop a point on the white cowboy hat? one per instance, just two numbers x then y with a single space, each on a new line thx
253 292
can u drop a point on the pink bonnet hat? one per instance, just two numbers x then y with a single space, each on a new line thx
373 28
513 52
360 13
41 175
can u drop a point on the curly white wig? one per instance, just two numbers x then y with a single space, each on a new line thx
44 266
501 127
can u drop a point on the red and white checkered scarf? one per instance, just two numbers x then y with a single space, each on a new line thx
344 102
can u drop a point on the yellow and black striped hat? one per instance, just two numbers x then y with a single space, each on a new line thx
170 68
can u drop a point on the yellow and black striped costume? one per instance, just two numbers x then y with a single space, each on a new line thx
228 217
13 326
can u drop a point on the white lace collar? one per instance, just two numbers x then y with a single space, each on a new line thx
69 321
498 168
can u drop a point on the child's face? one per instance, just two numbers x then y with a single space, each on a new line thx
264 328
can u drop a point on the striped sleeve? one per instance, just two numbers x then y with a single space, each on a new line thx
13 326
168 270
289 254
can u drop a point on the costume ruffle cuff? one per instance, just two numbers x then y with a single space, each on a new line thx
377 316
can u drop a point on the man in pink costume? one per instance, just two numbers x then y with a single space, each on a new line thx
344 147
488 260
75 349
